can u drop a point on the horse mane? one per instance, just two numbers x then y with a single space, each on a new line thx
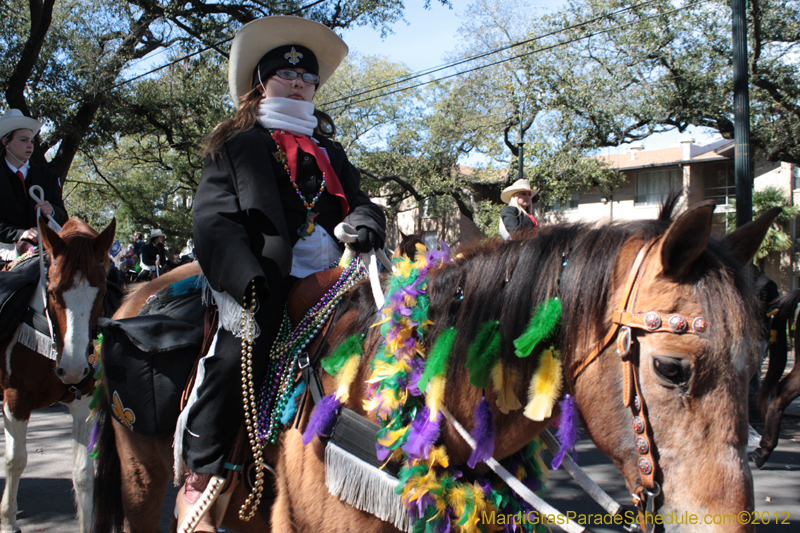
78 253
506 281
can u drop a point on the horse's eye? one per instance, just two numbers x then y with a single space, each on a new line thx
672 370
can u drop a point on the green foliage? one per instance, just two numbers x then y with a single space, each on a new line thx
776 240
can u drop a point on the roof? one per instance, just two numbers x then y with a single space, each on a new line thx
685 154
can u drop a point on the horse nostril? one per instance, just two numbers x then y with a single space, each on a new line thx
85 372
60 372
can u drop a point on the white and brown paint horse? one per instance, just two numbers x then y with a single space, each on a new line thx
694 384
75 291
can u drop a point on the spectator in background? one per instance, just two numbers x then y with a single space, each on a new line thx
138 243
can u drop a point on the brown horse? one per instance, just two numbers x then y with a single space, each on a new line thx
692 380
777 392
75 291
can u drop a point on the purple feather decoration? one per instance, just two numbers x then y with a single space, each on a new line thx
322 418
414 376
95 436
567 433
382 452
422 435
483 433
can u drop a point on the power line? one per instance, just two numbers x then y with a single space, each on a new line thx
210 47
490 52
544 49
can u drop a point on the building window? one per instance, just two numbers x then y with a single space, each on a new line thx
571 205
720 184
428 208
795 177
653 187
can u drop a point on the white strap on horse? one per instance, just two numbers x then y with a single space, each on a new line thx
348 234
516 485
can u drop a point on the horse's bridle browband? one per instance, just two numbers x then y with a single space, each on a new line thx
623 319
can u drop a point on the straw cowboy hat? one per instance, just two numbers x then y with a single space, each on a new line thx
263 35
13 119
156 233
519 185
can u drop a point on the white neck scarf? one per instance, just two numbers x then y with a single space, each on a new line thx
295 116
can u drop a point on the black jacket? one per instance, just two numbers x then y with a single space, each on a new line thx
149 253
246 213
18 213
514 218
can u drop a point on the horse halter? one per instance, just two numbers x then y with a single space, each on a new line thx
624 319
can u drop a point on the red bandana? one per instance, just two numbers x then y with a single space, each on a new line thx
289 144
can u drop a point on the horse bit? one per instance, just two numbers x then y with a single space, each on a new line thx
624 319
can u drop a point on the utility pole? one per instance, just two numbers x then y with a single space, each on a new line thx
743 165
520 145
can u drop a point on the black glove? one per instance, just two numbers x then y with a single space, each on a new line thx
366 240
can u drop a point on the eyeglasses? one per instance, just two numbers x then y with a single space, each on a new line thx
291 75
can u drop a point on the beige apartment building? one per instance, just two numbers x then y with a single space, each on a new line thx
700 171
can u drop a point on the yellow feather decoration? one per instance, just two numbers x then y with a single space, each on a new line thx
392 436
345 377
503 383
435 396
438 457
545 387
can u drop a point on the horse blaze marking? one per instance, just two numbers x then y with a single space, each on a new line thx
79 301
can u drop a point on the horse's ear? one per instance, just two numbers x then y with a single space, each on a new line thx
686 239
744 242
104 241
50 239
403 236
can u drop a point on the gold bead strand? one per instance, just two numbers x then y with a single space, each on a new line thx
250 408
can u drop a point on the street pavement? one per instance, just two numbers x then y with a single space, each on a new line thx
46 500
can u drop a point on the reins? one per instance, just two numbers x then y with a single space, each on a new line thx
623 319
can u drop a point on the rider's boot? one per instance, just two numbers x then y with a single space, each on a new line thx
190 503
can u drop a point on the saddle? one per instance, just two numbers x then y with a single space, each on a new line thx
148 358
17 287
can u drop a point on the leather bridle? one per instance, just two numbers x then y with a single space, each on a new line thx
623 320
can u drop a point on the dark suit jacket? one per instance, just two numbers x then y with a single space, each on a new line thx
246 213
18 213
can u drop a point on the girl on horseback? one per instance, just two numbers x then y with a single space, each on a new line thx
273 188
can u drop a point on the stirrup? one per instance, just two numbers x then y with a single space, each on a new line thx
202 505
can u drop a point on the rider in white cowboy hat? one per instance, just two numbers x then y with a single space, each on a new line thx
18 225
273 189
517 214
153 259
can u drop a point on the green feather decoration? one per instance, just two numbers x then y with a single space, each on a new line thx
436 363
336 360
544 321
483 354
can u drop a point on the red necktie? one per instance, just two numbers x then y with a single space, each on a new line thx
22 179
289 144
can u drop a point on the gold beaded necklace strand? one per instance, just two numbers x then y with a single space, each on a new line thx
308 228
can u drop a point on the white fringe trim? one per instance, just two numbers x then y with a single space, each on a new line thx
36 341
231 315
365 487
178 467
